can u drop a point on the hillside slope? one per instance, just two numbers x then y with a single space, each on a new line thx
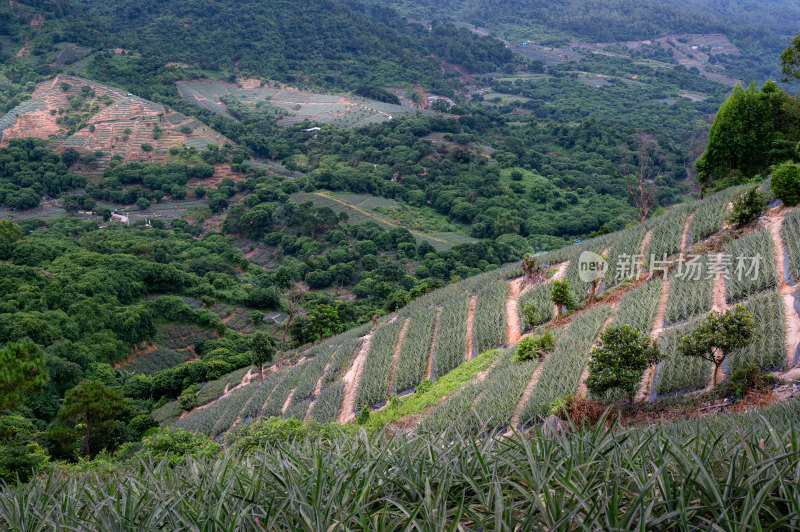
446 330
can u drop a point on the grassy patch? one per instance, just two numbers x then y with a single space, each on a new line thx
449 383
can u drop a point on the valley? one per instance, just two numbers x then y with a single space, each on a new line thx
399 265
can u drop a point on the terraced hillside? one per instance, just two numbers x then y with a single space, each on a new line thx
343 111
453 332
86 115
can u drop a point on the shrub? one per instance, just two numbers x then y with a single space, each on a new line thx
147 147
785 183
747 206
744 380
363 416
176 444
619 360
274 430
535 347
562 296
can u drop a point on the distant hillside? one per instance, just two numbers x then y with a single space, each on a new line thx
322 42
95 118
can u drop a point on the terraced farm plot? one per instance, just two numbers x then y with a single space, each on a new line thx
503 390
752 268
290 377
489 322
252 408
561 371
154 361
690 290
790 234
639 306
213 389
236 318
767 351
451 341
540 296
374 384
450 414
665 240
623 256
183 336
108 120
679 373
327 406
412 362
362 208
343 111
709 216
313 372
219 416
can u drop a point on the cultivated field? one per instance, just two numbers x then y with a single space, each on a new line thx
295 105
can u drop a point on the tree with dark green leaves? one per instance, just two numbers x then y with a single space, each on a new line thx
22 373
93 404
619 360
718 335
561 295
785 183
262 351
739 139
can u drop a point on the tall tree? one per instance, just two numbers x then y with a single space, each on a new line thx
262 351
93 403
641 181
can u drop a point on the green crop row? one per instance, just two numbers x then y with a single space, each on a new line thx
412 363
489 319
639 306
327 406
791 241
504 388
767 350
451 336
561 371
752 266
623 257
274 406
690 290
374 384
665 240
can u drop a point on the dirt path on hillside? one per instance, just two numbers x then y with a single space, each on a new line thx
655 334
773 221
136 354
582 390
351 380
288 401
470 326
685 235
396 354
526 394
512 312
429 371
